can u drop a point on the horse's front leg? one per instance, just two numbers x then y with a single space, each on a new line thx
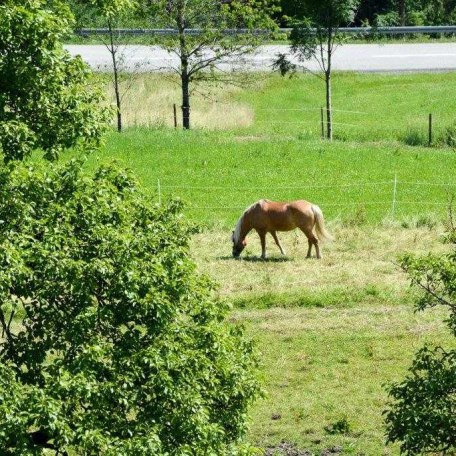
276 239
262 235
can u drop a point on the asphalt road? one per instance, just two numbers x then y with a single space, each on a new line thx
351 57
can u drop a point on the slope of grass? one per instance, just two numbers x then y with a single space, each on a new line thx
367 107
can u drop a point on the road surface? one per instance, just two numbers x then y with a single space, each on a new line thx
350 57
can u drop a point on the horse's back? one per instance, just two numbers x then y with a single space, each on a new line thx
281 216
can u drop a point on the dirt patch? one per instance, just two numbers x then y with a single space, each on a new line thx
290 449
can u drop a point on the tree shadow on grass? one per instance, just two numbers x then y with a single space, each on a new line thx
256 259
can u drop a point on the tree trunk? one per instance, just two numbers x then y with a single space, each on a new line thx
329 132
185 82
185 77
402 12
113 51
328 105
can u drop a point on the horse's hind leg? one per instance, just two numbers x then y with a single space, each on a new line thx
276 239
309 250
312 240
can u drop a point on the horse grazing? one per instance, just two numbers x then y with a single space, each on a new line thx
266 216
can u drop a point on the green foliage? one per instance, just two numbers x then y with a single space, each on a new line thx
324 16
111 342
448 136
421 415
46 98
212 19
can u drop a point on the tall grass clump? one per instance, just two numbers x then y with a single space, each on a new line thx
414 137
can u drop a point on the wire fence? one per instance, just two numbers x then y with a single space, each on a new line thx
424 129
376 200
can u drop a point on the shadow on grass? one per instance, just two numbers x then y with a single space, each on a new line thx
256 259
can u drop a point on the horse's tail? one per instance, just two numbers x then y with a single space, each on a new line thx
320 229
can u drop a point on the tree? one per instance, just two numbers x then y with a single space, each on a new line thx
200 51
112 12
316 36
422 413
47 98
111 343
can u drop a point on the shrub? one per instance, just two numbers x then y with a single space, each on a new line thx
47 98
421 414
112 343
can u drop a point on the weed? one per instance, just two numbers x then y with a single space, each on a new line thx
448 136
414 137
341 426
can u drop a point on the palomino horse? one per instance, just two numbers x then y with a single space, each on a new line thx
266 216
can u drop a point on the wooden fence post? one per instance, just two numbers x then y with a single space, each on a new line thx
322 123
393 209
430 129
175 115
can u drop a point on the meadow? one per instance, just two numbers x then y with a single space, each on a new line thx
330 333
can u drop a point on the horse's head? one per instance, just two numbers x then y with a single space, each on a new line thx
238 246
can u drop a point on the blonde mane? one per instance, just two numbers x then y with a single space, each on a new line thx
237 230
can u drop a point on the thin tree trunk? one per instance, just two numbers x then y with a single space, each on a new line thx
329 132
185 78
185 100
113 52
328 105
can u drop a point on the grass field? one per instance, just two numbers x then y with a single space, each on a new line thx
219 175
331 333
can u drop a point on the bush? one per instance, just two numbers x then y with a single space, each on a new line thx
421 415
111 342
47 98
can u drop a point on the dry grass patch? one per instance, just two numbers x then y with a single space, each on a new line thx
148 101
360 265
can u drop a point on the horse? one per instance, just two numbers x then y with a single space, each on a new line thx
266 216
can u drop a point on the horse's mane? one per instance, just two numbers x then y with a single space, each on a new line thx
237 230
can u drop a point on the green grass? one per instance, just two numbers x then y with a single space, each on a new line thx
321 366
219 174
277 152
331 333
367 107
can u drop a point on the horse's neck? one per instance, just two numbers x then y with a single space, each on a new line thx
246 226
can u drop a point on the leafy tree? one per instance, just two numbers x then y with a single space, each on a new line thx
47 98
110 13
316 36
199 53
422 414
111 343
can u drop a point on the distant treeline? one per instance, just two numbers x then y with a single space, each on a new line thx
384 13
370 13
